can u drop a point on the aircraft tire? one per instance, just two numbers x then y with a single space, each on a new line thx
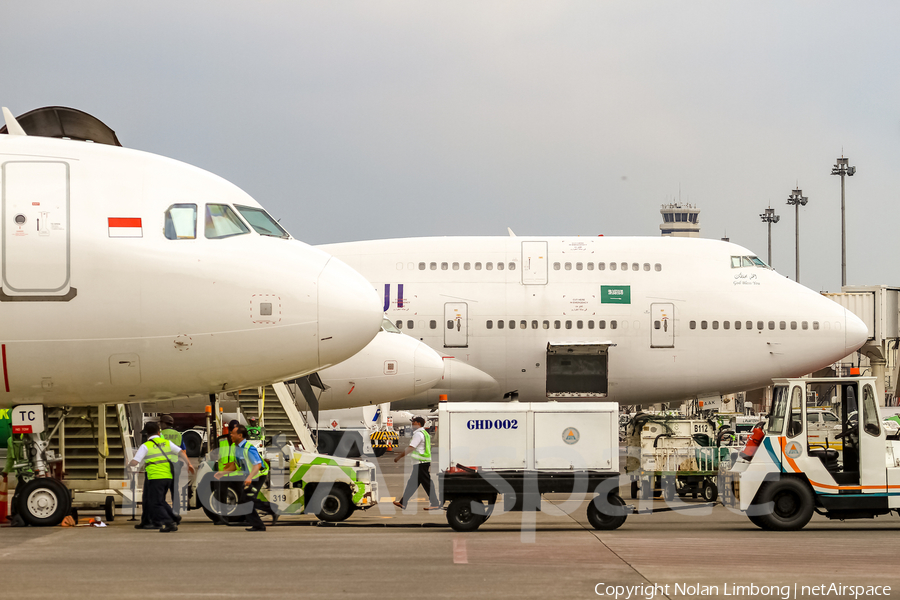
44 502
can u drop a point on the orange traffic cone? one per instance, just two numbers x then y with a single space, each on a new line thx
4 503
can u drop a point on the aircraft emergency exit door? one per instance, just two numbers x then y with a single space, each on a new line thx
534 263
35 230
456 325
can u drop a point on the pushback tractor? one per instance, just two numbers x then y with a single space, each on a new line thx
785 473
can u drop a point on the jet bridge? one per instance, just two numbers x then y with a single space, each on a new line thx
578 369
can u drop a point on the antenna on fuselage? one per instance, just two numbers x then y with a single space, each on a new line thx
511 234
12 126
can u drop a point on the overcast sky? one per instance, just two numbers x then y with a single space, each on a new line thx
366 120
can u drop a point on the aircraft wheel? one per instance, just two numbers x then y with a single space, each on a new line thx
603 521
634 489
44 502
462 517
791 502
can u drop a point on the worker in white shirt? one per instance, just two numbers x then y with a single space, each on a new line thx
158 454
420 448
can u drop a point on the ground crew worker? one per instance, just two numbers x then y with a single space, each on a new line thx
167 430
158 454
253 468
15 453
420 447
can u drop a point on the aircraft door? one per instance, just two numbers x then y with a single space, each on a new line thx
35 230
534 263
662 325
456 325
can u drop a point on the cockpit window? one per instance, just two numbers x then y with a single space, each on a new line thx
181 222
262 222
222 222
747 261
386 325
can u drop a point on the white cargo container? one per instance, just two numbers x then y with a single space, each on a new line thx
521 450
536 436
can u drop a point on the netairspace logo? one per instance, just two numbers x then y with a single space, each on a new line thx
733 590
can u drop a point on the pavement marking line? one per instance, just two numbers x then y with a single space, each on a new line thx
460 555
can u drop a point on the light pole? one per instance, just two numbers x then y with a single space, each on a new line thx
797 199
841 168
770 217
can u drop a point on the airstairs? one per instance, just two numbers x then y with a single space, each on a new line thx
279 411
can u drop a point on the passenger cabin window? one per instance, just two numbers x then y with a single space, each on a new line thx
590 324
523 325
512 324
399 325
534 324
579 266
624 266
612 266
467 266
805 325
771 324
556 324
433 266
715 324
501 324
750 325
759 325
443 266
499 266
646 266
512 266
601 324
782 325
635 267
693 325
658 267
702 324
556 266
456 266
489 266
613 324
181 222
410 324
815 325
601 266
222 222
489 324
478 266
726 324
590 266
579 324
568 266
421 266
793 325
262 222
545 324
737 324
432 324
568 324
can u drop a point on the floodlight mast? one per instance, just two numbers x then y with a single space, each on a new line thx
842 168
770 217
797 199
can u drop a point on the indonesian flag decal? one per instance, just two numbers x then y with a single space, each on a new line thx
125 227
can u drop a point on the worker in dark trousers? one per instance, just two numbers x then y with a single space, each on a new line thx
250 465
420 448
167 430
158 454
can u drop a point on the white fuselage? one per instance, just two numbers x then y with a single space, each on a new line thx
680 318
101 303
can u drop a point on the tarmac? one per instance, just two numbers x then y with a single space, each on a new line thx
386 553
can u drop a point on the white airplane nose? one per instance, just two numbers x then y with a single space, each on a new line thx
349 313
464 383
857 332
429 368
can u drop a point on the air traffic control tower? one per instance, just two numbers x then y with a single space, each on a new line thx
680 220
